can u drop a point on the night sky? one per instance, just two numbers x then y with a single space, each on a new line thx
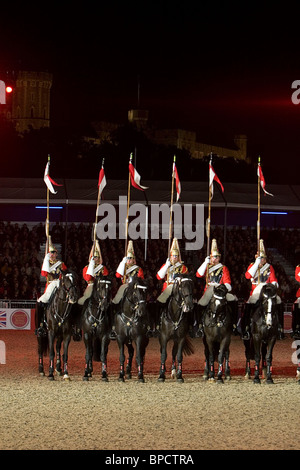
216 69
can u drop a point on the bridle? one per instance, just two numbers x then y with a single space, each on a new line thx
180 300
217 301
269 301
101 304
66 299
135 303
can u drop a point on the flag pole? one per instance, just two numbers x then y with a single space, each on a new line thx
258 215
128 202
171 206
96 219
47 217
209 216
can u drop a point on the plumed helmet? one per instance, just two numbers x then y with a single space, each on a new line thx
174 250
130 250
214 248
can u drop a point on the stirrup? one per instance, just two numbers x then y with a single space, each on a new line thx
245 336
113 335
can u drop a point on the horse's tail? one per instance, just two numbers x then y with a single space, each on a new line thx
188 348
43 345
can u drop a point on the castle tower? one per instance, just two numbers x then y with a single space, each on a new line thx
31 101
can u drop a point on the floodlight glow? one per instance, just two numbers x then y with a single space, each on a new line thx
51 207
274 213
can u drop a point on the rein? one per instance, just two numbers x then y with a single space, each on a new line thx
180 302
129 321
98 318
62 318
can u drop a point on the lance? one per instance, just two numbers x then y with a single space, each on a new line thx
258 216
47 216
96 219
209 215
127 215
171 205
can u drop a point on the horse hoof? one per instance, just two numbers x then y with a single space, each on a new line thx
247 376
51 377
85 379
121 379
211 379
298 382
161 379
128 376
180 380
59 373
228 377
66 378
256 381
269 381
42 374
141 380
104 379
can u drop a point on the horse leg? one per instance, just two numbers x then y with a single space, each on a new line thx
174 354
88 356
211 360
51 355
129 361
257 357
67 340
179 377
42 349
269 361
58 358
206 360
163 358
227 365
263 360
248 357
140 353
104 351
122 360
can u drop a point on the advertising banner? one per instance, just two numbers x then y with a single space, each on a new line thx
15 318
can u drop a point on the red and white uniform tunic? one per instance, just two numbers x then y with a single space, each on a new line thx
88 273
266 275
168 272
217 274
51 270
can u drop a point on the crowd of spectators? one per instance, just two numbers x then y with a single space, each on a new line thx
21 257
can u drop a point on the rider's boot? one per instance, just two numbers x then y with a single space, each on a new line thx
157 314
296 322
234 316
280 313
245 322
41 329
113 309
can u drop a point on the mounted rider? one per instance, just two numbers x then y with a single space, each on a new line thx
173 265
216 273
260 273
296 309
91 270
51 270
126 270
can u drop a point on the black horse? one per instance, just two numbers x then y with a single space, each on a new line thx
175 323
96 325
217 327
59 323
131 324
264 331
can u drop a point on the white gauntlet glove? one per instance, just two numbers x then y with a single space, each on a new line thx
46 263
121 267
163 270
254 267
202 268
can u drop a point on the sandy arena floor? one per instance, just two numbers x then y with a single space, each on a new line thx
95 415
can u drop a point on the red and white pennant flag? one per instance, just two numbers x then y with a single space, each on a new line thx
102 180
48 180
177 181
262 179
135 177
213 176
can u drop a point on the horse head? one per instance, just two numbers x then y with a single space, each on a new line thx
69 286
183 292
218 300
136 293
267 300
101 291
